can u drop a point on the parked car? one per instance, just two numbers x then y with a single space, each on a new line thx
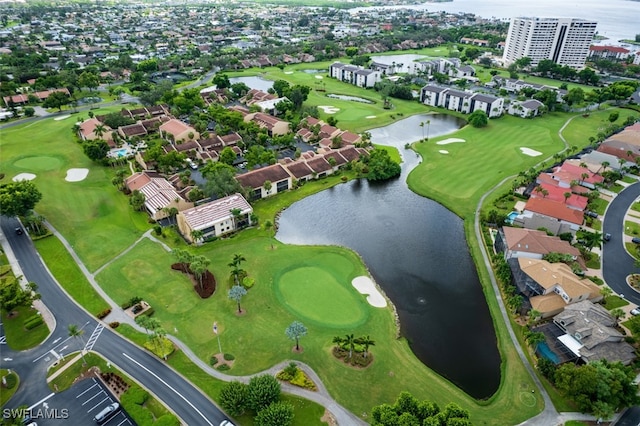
226 423
606 237
635 240
19 230
591 214
635 311
104 415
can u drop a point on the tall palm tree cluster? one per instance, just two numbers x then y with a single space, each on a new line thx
354 350
190 263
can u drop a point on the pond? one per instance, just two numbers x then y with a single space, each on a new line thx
417 252
312 71
253 82
350 98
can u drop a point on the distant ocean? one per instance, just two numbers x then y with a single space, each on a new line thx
617 19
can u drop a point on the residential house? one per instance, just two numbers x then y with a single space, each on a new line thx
87 128
554 216
215 218
274 126
568 173
255 180
624 144
551 287
591 335
160 195
556 193
531 243
132 130
176 131
525 109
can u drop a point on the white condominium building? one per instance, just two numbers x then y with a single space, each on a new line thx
565 41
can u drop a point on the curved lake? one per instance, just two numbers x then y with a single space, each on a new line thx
417 252
253 82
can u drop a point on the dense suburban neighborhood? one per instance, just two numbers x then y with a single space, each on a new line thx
182 190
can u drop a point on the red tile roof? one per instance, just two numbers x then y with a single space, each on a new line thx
555 210
556 193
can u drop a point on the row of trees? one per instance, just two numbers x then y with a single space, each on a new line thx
409 411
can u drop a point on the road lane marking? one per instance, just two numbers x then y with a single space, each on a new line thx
41 401
167 385
94 385
98 404
97 394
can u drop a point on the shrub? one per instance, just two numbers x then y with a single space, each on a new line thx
291 369
157 229
133 301
248 282
10 380
223 367
300 379
33 321
234 398
167 420
103 314
276 414
213 360
263 391
135 395
114 324
229 357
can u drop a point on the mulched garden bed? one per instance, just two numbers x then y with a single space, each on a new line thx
357 358
208 280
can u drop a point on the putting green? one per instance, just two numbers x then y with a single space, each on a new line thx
40 163
315 295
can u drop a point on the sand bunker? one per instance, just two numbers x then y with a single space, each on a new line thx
370 116
319 77
329 109
443 151
288 72
76 175
62 117
23 176
365 286
530 152
449 140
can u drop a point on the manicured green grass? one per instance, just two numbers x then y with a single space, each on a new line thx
629 179
616 187
635 207
315 295
593 262
68 274
6 394
633 249
18 337
599 205
306 412
102 223
631 228
614 301
489 155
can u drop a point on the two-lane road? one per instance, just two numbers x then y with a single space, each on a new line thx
616 262
188 402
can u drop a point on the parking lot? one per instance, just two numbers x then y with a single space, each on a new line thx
82 402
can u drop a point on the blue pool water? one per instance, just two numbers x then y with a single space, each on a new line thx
122 152
511 217
544 350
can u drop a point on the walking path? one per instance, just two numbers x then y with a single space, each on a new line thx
321 396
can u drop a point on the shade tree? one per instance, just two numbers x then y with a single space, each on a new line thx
236 293
295 331
18 198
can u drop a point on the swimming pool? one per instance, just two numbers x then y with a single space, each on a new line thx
544 350
511 217
122 152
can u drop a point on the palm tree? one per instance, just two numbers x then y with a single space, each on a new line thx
350 341
183 257
533 338
566 195
584 177
99 130
76 333
235 214
534 316
199 267
617 313
196 235
235 265
365 341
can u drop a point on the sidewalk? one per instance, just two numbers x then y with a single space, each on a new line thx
66 366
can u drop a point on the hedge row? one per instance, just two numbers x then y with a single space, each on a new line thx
33 321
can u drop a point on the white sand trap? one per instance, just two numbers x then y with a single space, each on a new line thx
288 72
370 116
365 286
530 152
450 140
23 176
319 77
62 117
443 151
329 109
76 175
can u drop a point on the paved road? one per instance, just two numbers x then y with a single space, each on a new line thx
191 405
616 262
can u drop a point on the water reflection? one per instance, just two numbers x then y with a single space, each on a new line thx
416 250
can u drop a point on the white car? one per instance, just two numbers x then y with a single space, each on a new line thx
635 311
